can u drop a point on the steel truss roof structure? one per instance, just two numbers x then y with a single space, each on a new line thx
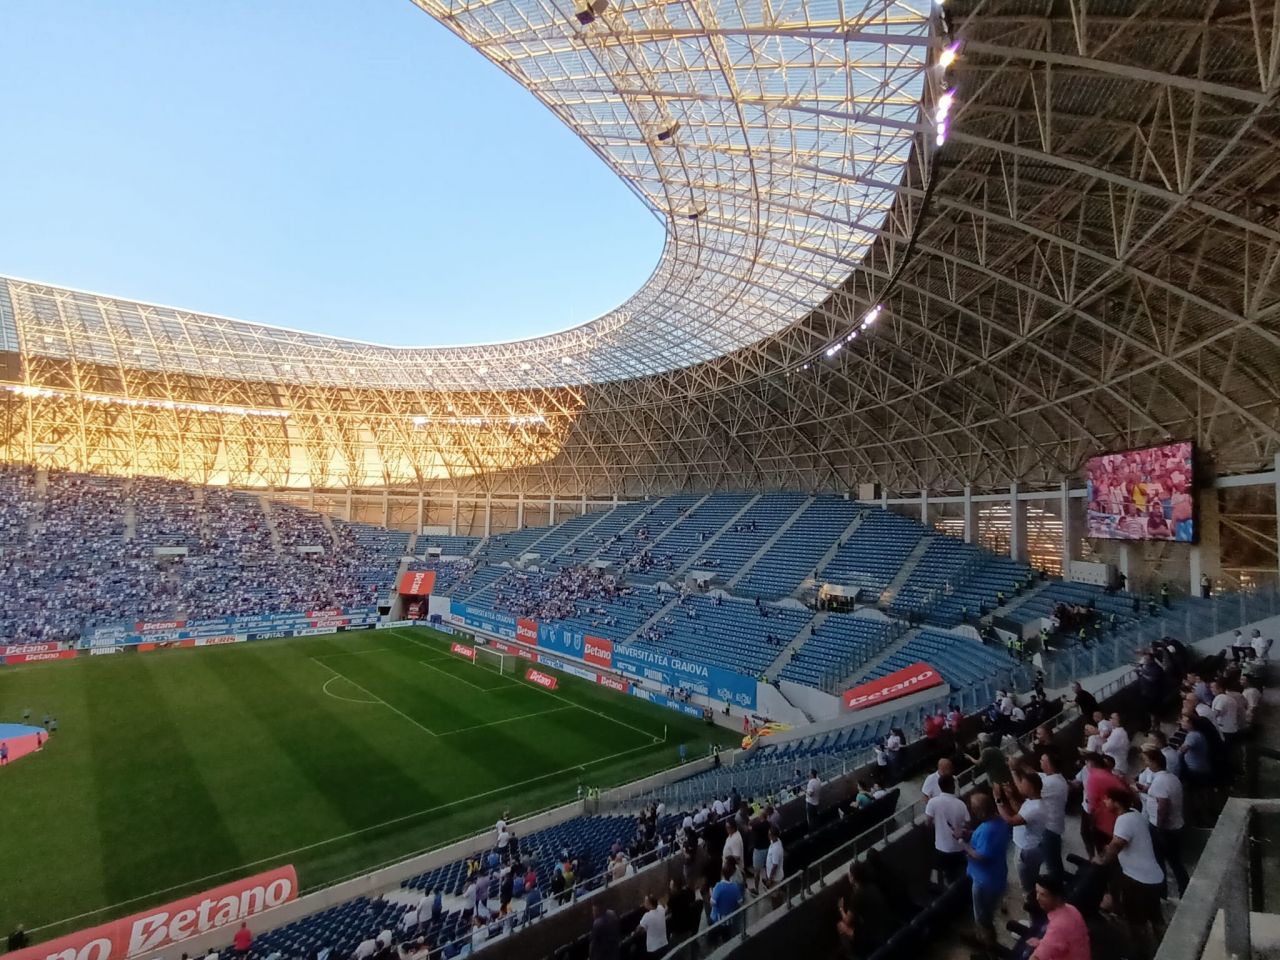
1092 259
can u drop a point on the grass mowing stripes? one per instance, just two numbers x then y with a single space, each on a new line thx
178 770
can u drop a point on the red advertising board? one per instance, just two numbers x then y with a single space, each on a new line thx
418 583
15 658
218 640
900 683
540 678
613 683
29 648
527 631
511 649
162 927
462 650
597 652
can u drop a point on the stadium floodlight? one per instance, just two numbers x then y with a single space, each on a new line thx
948 55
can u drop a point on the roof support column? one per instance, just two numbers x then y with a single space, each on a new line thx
970 516
488 514
422 510
924 508
454 523
1017 525
347 507
520 513
551 516
1064 506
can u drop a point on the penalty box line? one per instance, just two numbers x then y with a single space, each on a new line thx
555 696
344 836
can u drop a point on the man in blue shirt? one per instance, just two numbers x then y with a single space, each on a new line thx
726 896
988 868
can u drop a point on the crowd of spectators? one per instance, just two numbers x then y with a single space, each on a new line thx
89 550
571 592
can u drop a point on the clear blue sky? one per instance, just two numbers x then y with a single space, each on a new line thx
346 166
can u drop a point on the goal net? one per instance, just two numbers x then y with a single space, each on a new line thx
493 660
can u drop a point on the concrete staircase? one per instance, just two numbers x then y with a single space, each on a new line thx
328 525
1015 602
768 544
859 672
582 533
130 519
802 636
409 547
690 564
904 572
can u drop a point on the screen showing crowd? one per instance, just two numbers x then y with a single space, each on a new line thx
1143 494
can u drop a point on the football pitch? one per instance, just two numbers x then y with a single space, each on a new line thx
178 770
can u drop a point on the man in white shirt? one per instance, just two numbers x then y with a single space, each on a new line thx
366 949
1252 697
1028 821
1261 645
1141 877
812 797
949 817
653 928
1162 799
717 808
500 826
660 810
1054 794
732 847
773 859
1116 746
930 788
384 939
504 843
1226 712
687 822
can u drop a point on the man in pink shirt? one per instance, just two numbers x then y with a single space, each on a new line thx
1066 937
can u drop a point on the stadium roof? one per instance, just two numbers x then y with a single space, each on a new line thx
770 138
1092 259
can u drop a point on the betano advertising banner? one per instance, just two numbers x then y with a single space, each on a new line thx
418 583
29 648
222 907
462 650
540 678
598 651
11 659
900 683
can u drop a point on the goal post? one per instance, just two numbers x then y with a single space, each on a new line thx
493 660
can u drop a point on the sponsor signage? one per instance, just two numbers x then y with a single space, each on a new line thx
489 621
613 683
418 583
664 701
462 650
225 638
147 647
527 631
540 678
670 671
158 626
330 622
222 907
900 683
17 658
555 663
597 651
512 650
20 648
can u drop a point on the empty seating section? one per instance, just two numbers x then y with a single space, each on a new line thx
509 546
449 546
796 554
874 553
618 618
943 562
563 533
967 665
593 540
688 534
476 579
1042 603
839 645
733 633
449 573
630 548
987 577
744 538
378 540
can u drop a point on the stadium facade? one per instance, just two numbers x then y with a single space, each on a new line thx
947 283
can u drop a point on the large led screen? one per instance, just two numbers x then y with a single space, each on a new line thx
1146 494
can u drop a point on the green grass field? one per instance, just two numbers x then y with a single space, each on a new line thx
178 770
